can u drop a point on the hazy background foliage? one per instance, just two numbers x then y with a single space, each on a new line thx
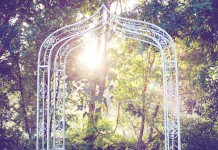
193 24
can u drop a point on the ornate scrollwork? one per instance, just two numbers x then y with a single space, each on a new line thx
64 50
59 125
44 91
173 127
43 128
50 42
128 25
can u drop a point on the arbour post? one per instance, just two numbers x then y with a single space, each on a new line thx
172 124
51 86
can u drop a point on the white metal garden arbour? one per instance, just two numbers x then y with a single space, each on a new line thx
62 42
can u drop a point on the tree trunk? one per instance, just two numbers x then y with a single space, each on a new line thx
100 80
140 142
150 138
23 103
146 73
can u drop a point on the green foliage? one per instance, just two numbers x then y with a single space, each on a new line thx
193 24
199 134
87 138
14 139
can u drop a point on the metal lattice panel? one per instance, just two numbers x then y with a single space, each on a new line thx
67 39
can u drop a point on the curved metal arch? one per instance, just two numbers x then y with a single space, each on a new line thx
128 31
69 38
148 25
155 30
125 27
156 42
49 42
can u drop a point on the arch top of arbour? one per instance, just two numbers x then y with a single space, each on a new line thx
58 43
129 28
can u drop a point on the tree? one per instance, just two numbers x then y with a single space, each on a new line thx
136 68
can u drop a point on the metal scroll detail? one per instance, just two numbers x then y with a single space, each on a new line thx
51 88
